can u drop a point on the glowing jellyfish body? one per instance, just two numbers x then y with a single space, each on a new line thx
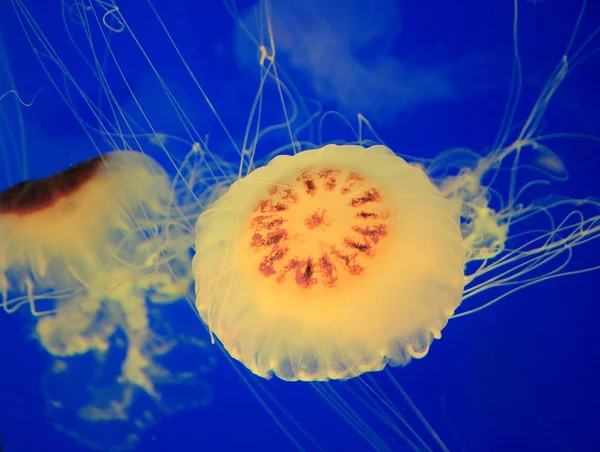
91 250
66 233
329 263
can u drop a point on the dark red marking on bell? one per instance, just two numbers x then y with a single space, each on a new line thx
349 261
382 215
272 238
37 195
352 181
329 177
290 196
305 274
368 196
316 219
373 233
328 270
366 215
267 221
266 206
267 265
309 183
303 270
364 248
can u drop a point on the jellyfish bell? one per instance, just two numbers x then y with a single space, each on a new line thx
65 233
328 264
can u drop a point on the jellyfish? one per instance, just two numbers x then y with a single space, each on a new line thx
292 280
92 251
65 233
337 261
99 254
329 263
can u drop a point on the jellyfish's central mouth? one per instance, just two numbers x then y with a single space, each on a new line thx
321 229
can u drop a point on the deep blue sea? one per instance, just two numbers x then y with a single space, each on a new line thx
521 375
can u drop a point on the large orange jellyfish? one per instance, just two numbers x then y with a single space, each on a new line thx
337 261
340 260
329 264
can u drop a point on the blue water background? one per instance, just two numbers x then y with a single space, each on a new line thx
520 376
